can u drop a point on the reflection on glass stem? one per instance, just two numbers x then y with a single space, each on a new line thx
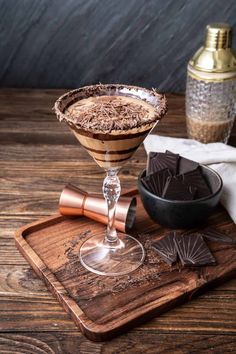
111 192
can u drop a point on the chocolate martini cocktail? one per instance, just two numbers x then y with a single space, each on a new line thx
110 122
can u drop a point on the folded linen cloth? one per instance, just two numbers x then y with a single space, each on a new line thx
220 157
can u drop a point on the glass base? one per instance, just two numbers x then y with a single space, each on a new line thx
122 257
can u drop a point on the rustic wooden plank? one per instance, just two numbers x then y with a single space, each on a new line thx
8 224
47 154
9 253
32 313
21 281
37 313
132 343
57 171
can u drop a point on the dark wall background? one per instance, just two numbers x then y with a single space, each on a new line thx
69 43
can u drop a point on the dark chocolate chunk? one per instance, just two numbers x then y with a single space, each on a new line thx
186 165
166 249
158 161
196 179
176 189
156 182
193 250
216 236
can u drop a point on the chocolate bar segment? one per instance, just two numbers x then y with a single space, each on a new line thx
166 249
176 189
158 161
186 165
217 236
193 250
156 182
196 179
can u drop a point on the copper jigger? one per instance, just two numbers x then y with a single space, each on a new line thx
75 201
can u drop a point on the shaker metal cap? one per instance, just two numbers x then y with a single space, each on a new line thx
218 36
216 56
74 201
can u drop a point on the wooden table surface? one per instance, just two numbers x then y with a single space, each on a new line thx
38 157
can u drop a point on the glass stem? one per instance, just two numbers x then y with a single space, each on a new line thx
111 192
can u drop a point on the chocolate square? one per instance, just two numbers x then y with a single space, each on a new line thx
193 250
176 189
186 165
158 161
166 249
156 182
217 236
196 179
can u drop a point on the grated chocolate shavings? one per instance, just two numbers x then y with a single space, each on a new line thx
110 115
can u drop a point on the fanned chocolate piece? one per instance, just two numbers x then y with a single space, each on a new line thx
177 189
186 165
156 182
166 249
158 161
196 179
193 250
216 236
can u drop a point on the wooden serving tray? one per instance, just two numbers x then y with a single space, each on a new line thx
105 306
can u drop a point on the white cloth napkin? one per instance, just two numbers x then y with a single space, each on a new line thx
220 157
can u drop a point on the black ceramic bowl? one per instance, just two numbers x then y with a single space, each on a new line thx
182 214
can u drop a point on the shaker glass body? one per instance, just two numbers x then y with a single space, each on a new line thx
210 109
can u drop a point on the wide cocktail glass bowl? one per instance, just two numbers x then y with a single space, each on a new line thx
111 253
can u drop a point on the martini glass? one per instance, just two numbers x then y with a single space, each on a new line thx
111 253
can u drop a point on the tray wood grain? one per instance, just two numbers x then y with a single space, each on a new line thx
103 307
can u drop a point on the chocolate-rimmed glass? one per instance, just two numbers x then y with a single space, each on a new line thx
111 253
